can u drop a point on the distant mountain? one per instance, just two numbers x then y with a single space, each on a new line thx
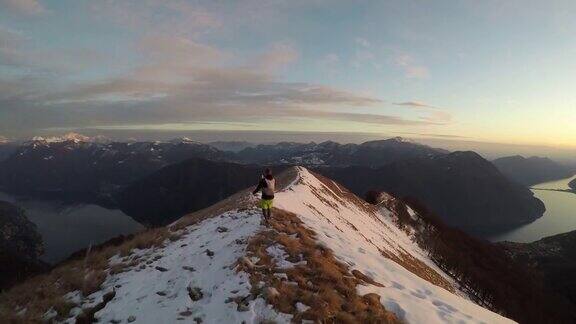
370 154
532 170
572 184
76 167
20 246
181 188
554 257
7 149
231 146
464 189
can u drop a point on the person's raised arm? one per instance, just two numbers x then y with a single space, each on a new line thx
259 187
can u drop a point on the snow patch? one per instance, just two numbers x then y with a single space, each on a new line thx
158 290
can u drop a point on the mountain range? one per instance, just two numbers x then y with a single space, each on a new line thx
157 182
532 170
369 154
85 170
463 188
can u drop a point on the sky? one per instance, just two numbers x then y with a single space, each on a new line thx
494 71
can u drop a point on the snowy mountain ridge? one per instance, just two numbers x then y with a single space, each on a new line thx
326 256
70 137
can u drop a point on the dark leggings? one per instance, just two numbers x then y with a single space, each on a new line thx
267 213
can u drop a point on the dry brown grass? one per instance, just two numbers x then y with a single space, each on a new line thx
322 283
399 209
420 269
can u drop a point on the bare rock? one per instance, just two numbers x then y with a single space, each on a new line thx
195 293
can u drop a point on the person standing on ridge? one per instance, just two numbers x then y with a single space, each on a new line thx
267 185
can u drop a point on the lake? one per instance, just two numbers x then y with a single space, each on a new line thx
560 215
69 228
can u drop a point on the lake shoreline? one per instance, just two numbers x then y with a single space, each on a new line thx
559 217
69 227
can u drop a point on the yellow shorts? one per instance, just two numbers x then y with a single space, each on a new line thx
266 203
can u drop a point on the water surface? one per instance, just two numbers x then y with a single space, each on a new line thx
66 229
560 215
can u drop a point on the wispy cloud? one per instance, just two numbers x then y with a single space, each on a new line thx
412 69
437 116
276 57
434 114
175 17
414 104
362 42
24 7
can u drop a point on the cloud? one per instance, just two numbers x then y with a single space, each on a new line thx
414 104
330 60
278 56
437 116
17 52
182 89
434 114
180 50
24 7
362 42
451 136
364 118
10 44
175 77
412 69
176 17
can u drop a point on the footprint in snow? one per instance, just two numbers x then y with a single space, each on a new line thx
418 294
444 307
397 285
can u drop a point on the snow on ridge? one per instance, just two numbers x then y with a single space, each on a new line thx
71 137
202 260
359 237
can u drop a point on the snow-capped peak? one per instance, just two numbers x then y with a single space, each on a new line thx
183 140
71 137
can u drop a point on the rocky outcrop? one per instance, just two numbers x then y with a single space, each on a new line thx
17 233
20 246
